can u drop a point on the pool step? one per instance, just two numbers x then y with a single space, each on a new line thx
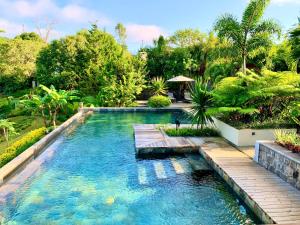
197 162
163 169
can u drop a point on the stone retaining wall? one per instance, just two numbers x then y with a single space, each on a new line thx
280 161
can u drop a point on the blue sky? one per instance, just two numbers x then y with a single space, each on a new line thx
144 20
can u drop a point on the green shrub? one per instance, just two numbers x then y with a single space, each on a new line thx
192 132
21 145
159 101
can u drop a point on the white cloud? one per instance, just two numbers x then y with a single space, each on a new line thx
37 9
283 2
11 29
145 33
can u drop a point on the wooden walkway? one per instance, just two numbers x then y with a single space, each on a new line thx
271 199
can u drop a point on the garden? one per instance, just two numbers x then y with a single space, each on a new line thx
246 75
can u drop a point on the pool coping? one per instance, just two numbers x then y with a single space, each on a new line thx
21 161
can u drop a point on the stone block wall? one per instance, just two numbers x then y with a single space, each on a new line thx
280 161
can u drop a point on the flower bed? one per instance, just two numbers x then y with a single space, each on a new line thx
288 140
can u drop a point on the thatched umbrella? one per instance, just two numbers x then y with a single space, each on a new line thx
183 81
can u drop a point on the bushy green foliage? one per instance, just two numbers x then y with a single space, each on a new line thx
95 64
21 145
295 42
255 97
159 101
158 86
49 103
191 132
17 63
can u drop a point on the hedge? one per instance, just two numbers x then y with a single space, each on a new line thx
21 145
192 132
159 101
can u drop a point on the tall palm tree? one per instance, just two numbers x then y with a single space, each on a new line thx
7 128
252 33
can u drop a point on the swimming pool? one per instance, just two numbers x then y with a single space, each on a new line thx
95 178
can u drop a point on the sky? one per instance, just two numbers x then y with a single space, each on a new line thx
144 20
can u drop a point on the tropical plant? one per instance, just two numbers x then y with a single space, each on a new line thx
201 102
255 96
159 101
294 112
49 103
158 86
295 42
7 128
252 35
37 105
57 100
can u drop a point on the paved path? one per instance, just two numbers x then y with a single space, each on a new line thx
271 198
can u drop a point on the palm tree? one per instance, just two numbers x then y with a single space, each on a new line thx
7 128
252 33
201 102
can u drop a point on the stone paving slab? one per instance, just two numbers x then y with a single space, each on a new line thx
271 199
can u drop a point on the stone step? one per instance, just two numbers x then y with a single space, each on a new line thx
197 162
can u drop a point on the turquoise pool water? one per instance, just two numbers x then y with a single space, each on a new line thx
95 178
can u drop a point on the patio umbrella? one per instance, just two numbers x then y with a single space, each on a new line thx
183 80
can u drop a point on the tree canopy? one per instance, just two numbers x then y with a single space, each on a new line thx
93 63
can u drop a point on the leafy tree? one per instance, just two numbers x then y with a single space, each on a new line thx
201 102
29 36
295 42
158 86
252 34
17 63
7 128
121 32
187 37
280 57
95 64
